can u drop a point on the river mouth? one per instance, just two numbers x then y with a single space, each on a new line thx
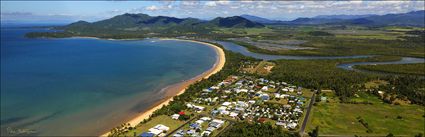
346 66
404 60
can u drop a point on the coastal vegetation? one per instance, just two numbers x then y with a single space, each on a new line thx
412 69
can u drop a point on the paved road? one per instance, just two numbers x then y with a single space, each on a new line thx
307 114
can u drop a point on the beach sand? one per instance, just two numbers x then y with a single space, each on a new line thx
179 88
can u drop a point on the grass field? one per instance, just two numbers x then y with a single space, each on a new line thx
335 118
162 119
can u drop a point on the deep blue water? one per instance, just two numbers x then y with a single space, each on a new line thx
83 86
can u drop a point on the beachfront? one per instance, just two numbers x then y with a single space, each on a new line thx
179 88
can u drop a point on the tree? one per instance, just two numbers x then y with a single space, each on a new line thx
315 132
390 135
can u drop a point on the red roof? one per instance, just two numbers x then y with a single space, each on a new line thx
181 113
261 120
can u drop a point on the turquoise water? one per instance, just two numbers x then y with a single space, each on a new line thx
82 86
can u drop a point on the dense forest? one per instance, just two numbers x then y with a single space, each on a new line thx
405 87
412 69
323 74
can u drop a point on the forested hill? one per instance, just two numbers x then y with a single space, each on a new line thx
144 22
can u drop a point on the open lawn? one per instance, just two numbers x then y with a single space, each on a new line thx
375 83
335 118
264 68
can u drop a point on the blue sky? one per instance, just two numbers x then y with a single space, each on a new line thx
69 11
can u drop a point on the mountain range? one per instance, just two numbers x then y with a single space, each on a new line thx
143 22
140 22
414 18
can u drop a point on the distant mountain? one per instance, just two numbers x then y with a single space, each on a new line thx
311 21
234 22
258 19
342 16
414 18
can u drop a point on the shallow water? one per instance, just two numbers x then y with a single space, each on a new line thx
83 86
404 60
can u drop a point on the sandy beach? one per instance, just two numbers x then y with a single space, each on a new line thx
179 88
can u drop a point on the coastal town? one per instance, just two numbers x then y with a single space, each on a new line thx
238 98
213 68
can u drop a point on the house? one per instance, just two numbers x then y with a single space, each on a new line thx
161 127
205 133
277 95
155 131
214 112
292 125
323 98
206 118
215 87
226 103
291 90
175 116
147 134
177 135
211 129
195 126
233 114
191 132
199 122
199 108
207 90
244 90
265 88
299 93
265 96
162 135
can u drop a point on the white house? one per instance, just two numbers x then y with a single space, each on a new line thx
175 116
265 88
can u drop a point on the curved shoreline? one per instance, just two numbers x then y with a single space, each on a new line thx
179 88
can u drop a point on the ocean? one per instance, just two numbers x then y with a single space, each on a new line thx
85 86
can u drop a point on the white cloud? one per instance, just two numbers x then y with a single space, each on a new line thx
152 8
223 2
211 3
